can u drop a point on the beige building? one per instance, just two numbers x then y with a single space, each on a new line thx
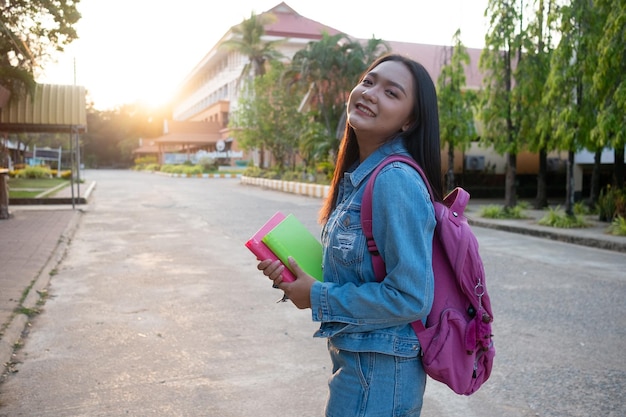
210 92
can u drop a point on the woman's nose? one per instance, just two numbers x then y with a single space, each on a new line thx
368 95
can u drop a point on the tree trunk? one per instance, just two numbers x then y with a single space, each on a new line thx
510 189
569 188
618 167
262 157
541 199
594 192
450 176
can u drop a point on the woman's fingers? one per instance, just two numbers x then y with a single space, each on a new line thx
272 269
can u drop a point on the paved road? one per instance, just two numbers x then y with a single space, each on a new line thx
157 310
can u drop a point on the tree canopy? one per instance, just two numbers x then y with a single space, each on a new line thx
31 30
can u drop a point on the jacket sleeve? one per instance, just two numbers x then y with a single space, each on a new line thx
403 227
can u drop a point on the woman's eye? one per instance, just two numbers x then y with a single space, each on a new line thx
391 93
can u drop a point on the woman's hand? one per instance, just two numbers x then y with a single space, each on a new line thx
299 291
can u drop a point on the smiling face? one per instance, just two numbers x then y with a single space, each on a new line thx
380 106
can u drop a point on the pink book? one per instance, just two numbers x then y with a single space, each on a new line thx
260 249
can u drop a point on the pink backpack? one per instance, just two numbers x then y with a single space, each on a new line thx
456 344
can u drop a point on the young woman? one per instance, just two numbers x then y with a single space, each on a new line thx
377 369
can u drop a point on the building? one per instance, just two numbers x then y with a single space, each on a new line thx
210 91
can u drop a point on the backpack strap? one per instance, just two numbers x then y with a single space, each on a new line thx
366 210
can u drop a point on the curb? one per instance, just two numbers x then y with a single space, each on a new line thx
223 175
303 188
549 234
36 292
53 200
321 191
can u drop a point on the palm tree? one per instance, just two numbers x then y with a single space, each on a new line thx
328 69
248 41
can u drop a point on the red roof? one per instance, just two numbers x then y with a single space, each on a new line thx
290 24
433 57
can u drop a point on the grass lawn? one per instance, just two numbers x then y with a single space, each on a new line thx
30 188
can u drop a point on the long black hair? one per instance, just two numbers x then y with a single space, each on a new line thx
421 139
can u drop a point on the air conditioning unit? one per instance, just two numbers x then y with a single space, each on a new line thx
474 162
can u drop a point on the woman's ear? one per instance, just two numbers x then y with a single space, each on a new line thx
406 126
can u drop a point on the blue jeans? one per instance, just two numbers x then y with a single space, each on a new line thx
368 384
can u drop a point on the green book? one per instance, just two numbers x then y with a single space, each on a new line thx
291 238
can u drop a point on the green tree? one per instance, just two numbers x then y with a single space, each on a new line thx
568 87
112 135
269 115
609 84
532 73
456 116
326 71
500 109
248 41
30 31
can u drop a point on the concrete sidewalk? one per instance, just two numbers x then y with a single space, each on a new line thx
36 237
32 243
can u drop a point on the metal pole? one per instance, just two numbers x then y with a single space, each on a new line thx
72 166
77 150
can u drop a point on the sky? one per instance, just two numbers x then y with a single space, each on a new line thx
140 51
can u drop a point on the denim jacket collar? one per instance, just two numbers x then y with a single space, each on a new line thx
365 168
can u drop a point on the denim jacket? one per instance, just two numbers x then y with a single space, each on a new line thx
356 312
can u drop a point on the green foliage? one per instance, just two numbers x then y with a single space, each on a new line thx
497 61
248 42
182 169
618 226
455 101
146 160
253 171
582 209
569 95
112 135
33 172
611 203
558 218
268 118
208 164
609 86
326 71
33 187
325 170
499 212
456 117
292 176
152 167
31 31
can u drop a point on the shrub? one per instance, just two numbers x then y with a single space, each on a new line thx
618 226
557 218
581 208
499 212
611 203
253 171
34 172
292 176
152 167
146 160
208 164
326 169
192 170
